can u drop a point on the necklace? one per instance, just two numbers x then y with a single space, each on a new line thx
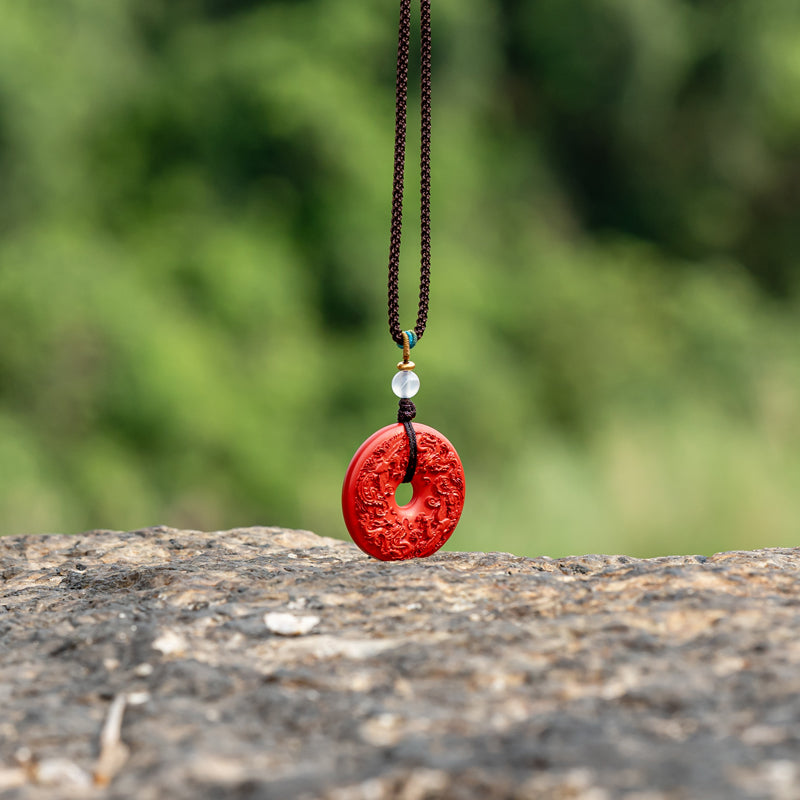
406 452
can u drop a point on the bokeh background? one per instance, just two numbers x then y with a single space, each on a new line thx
193 238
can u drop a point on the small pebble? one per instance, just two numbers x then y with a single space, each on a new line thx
138 698
288 624
170 643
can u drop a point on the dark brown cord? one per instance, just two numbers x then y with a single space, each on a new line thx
407 410
405 414
403 46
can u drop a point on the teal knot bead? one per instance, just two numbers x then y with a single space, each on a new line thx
412 339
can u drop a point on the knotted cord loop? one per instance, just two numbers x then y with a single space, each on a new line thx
405 413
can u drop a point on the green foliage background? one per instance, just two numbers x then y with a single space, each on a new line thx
193 237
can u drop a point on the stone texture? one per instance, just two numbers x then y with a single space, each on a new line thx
465 675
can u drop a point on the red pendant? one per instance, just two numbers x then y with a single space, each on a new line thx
377 524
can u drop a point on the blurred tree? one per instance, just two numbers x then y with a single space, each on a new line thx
661 121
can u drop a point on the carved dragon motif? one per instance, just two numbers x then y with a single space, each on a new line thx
381 527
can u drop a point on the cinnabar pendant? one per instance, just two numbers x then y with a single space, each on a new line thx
377 524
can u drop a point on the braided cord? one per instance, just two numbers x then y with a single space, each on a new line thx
403 46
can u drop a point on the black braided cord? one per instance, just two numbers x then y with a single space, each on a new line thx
403 46
407 411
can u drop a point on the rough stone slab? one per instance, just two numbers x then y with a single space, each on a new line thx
465 675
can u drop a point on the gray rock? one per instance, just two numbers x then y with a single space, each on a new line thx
465 675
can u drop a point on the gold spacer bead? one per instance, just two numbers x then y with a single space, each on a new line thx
405 365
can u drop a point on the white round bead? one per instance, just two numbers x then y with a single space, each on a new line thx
405 383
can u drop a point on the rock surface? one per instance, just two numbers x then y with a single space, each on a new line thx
265 663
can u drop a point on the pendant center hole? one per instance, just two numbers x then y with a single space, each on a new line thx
404 494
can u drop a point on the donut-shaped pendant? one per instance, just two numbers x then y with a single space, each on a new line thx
377 524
